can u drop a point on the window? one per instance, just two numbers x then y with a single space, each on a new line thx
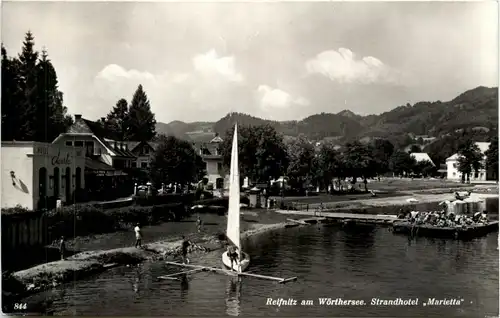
454 165
454 173
476 175
69 143
144 164
146 150
78 143
89 146
219 166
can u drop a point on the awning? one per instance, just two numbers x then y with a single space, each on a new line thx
101 169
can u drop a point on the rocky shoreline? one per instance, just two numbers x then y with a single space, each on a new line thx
49 275
46 276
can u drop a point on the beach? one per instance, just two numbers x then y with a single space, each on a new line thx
88 262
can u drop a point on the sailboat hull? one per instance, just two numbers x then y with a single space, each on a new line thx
244 262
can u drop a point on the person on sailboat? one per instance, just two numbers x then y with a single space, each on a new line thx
185 245
232 252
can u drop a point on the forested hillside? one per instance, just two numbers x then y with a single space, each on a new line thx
475 109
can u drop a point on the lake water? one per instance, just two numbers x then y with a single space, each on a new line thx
359 264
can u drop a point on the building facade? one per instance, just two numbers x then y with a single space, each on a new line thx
97 143
33 171
107 159
211 155
143 151
452 172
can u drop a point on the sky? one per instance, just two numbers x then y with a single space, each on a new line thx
275 60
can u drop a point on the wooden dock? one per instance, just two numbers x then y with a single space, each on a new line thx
200 268
426 230
329 216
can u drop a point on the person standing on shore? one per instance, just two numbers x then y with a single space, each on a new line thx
138 236
62 247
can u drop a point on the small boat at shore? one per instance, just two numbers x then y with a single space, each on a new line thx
233 215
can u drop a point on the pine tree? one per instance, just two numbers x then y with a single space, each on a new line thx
27 85
117 119
10 97
51 118
141 121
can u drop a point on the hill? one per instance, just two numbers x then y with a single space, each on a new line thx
476 108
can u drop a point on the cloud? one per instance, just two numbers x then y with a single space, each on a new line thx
113 72
213 84
209 64
275 98
343 67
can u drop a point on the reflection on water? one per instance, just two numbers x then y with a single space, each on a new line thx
329 262
136 281
184 286
233 296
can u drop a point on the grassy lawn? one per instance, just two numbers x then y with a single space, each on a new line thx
385 188
396 184
326 198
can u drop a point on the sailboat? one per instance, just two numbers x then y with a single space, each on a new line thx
233 215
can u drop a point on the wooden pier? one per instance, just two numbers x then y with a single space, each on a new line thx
200 268
328 217
459 233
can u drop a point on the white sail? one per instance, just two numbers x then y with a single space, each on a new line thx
233 214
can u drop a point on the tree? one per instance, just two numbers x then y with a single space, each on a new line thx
117 120
326 165
175 161
359 162
27 81
141 121
492 158
300 156
402 163
382 152
32 105
51 115
469 159
10 97
425 167
262 153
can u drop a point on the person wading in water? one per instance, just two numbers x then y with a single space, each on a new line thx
198 224
185 245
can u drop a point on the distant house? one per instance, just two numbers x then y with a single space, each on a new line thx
143 151
442 170
421 157
211 155
452 172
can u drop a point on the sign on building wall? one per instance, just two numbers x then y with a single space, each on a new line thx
58 156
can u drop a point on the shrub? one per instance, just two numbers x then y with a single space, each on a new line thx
79 220
161 199
85 219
